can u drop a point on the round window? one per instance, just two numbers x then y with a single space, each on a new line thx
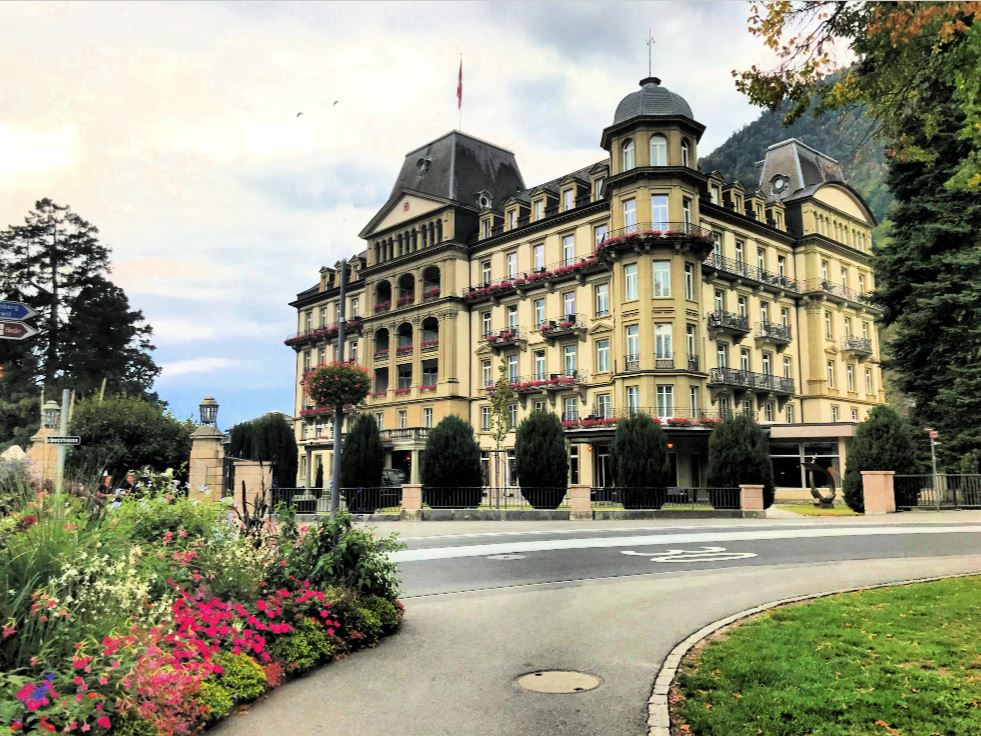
422 166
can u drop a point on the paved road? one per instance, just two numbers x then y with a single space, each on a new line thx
486 606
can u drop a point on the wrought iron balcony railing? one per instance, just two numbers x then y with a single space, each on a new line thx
774 331
505 338
735 323
649 234
563 327
827 288
740 379
858 345
743 270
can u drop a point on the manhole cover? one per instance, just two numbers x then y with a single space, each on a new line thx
505 557
555 682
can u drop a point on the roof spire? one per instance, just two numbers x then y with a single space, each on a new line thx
650 53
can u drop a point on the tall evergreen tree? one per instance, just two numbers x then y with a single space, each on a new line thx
268 438
882 442
639 456
363 455
542 459
739 453
451 468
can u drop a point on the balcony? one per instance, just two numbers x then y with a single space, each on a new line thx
631 362
538 278
431 294
428 346
383 307
647 235
838 293
403 390
404 434
860 347
736 325
565 381
511 337
403 350
536 384
405 300
669 417
664 363
773 332
742 272
381 354
693 363
748 380
568 326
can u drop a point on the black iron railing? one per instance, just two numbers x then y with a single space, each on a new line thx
738 378
823 286
647 233
671 497
858 345
728 321
774 331
938 491
488 497
748 271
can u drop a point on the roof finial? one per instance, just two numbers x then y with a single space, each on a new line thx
650 53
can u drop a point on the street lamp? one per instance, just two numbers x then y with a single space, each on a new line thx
208 409
50 413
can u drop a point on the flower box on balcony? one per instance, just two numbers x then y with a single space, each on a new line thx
429 344
317 412
404 300
404 350
379 354
402 391
711 421
427 387
679 422
379 394
431 293
383 306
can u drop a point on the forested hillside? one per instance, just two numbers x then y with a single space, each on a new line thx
845 137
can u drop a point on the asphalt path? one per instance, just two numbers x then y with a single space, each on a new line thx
611 599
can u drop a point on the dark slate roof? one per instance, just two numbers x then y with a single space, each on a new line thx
651 99
458 167
552 185
806 168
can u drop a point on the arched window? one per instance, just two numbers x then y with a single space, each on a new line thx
659 150
685 152
628 160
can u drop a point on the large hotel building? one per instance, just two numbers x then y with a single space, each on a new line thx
636 283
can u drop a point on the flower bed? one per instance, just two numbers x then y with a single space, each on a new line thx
159 616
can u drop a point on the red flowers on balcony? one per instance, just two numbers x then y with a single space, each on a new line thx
383 306
590 423
404 350
405 300
403 391
381 353
427 387
680 422
427 344
531 279
504 336
432 293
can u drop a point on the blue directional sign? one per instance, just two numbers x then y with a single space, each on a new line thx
15 311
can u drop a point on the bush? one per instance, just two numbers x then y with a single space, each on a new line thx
19 483
542 460
639 458
739 453
216 698
269 438
241 676
305 647
388 612
452 461
362 462
883 441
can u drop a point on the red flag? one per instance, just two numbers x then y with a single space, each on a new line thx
459 88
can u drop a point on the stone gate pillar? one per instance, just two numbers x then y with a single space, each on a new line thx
205 476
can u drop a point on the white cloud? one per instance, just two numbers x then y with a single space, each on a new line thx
195 365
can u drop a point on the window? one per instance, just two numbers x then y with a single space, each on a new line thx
722 355
602 356
834 413
720 303
354 351
761 259
827 325
598 188
868 380
759 212
602 292
630 215
402 419
693 401
570 411
307 360
824 270
740 252
630 281
323 316
380 419
568 250
831 374
844 277
485 373
767 364
738 200
848 327
744 359
627 159
854 414
662 341
569 304
659 150
322 356
686 212
539 406
633 400
539 209
485 229
539 365
633 337
539 312
485 323
850 377
659 211
685 152
512 416
485 272
690 341
768 411
513 368
714 195
427 417
689 281
782 266
790 413
308 320
785 316
717 242
569 360
599 233
604 407
568 199
662 278
512 219
748 407
512 316
787 368
723 407
861 283
741 307
512 261
539 256
865 330
765 313
665 401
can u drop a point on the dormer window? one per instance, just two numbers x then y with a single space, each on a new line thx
685 153
567 199
539 209
714 194
512 219
628 159
598 188
484 200
485 229
659 150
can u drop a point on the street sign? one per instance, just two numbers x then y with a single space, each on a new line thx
16 331
66 440
15 311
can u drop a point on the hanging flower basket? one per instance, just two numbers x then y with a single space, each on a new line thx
337 384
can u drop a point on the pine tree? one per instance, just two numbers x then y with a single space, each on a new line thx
639 457
363 456
268 438
451 470
883 441
739 453
542 460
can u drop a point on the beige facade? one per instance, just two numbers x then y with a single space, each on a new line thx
638 283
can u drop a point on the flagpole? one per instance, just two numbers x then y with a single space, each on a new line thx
459 97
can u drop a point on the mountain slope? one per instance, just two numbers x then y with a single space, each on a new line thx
843 136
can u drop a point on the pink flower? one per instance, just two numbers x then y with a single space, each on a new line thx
104 722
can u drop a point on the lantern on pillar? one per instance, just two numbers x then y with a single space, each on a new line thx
208 409
50 414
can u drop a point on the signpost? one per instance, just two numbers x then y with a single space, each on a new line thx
66 440
16 311
11 325
934 434
16 331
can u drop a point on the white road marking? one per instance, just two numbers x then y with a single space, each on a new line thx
545 545
705 554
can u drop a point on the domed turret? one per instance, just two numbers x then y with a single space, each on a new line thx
651 99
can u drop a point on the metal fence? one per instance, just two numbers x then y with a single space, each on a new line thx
941 491
672 497
356 500
492 497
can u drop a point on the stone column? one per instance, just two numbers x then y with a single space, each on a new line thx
44 456
751 500
411 501
580 504
586 461
414 473
205 476
878 492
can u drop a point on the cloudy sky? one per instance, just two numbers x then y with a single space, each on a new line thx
173 128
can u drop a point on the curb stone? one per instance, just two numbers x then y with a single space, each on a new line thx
659 715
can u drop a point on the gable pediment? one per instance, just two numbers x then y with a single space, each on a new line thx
402 207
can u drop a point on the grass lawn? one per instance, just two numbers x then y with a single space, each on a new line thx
807 509
901 660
